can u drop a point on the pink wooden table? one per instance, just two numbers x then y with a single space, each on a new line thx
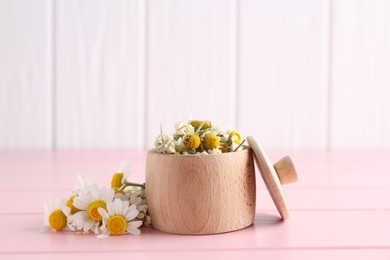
339 209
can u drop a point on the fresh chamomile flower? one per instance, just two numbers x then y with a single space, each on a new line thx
119 218
69 203
119 178
138 199
56 215
210 141
88 218
84 184
165 143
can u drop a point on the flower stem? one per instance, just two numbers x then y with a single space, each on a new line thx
239 145
135 184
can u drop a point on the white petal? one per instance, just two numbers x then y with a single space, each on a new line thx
120 196
148 220
95 228
133 231
117 206
132 207
133 198
88 225
141 208
81 215
109 195
78 219
134 224
86 197
125 206
138 201
66 210
95 192
110 209
131 215
103 213
71 227
80 204
104 234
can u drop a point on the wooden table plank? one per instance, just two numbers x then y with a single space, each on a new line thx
377 254
48 170
304 230
298 199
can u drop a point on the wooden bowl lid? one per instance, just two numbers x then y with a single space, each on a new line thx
274 176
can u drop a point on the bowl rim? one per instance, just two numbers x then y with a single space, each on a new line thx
153 151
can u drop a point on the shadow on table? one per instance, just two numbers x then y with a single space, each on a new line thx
267 220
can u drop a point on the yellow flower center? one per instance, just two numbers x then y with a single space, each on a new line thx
191 141
236 136
69 203
57 220
197 123
93 209
116 225
210 141
116 181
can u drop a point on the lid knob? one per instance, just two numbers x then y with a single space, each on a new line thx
286 170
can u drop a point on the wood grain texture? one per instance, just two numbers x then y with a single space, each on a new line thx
283 72
25 74
201 194
269 176
285 170
360 75
188 64
99 99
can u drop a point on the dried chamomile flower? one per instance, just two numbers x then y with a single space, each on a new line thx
214 151
191 141
165 144
210 141
235 136
181 129
197 123
199 137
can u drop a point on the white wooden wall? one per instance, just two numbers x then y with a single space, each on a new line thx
97 73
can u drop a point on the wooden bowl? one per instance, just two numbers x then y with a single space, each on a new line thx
202 193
